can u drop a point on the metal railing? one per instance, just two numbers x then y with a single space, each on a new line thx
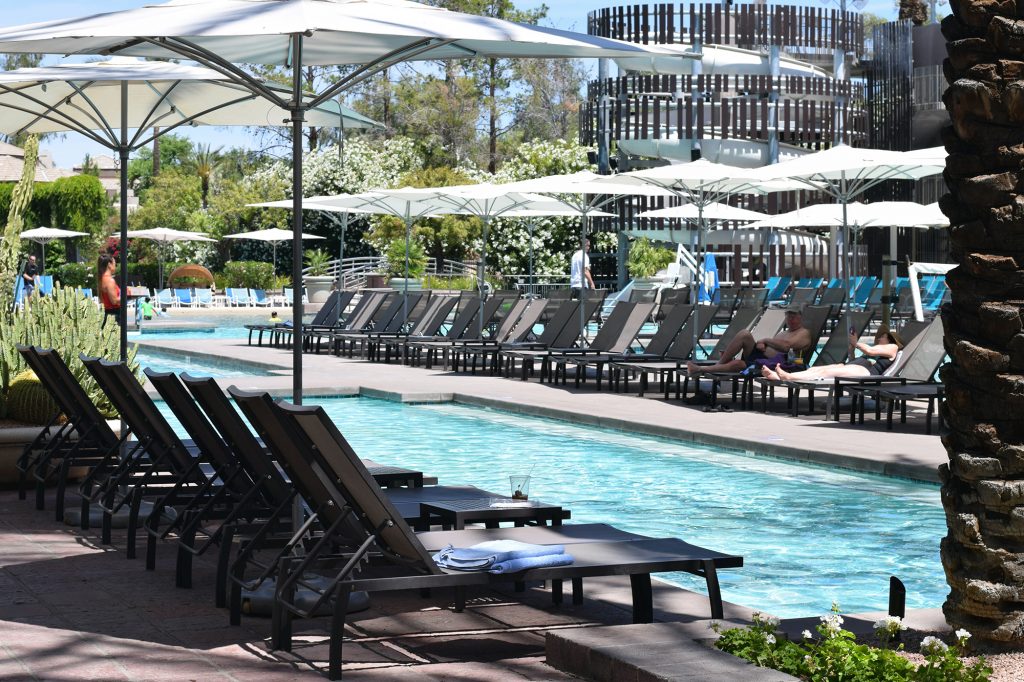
353 272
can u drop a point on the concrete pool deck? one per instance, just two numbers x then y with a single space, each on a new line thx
73 609
905 451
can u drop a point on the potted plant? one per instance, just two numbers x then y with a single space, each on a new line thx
645 261
395 255
318 283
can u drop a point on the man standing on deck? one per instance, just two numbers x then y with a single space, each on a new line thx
28 277
579 274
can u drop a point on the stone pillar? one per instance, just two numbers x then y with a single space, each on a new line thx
983 484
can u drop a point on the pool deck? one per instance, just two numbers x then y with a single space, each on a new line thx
73 609
905 451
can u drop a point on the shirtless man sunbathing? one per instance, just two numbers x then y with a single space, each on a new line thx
744 349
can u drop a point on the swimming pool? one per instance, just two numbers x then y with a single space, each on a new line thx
809 535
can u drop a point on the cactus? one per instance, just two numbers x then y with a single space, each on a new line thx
68 323
20 198
28 401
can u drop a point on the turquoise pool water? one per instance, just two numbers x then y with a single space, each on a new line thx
809 535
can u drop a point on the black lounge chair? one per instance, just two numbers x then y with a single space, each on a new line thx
429 325
835 351
623 326
328 313
167 464
509 332
668 366
561 331
399 312
464 328
357 515
84 439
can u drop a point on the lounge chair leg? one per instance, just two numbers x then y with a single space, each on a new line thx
460 599
556 592
133 523
643 599
281 618
577 591
223 555
341 598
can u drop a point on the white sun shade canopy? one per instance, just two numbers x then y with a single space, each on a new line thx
586 182
707 177
714 211
336 32
311 204
85 97
42 235
858 215
166 235
853 164
270 235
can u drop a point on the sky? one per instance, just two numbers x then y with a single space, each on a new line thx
69 151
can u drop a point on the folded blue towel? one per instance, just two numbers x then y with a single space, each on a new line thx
515 565
482 556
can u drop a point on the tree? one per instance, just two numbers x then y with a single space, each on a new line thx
205 162
441 114
448 237
983 552
170 201
89 166
548 105
174 151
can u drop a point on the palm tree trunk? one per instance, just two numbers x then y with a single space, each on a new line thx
983 484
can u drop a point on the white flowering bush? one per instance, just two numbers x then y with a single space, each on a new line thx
834 654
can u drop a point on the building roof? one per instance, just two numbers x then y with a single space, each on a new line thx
12 161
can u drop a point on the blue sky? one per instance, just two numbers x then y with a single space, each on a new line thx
565 14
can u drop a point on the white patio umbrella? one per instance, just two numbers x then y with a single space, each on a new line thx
104 100
298 33
715 211
166 235
488 201
587 193
44 235
702 183
272 236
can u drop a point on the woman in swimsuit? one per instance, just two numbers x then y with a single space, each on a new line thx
110 293
876 358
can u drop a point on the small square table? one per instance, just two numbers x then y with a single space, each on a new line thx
455 514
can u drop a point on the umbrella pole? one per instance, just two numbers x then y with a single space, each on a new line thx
532 222
695 282
42 263
341 260
273 258
297 116
583 277
481 279
122 313
405 283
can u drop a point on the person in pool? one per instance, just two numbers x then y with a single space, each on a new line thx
875 359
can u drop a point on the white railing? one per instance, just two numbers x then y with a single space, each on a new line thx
353 272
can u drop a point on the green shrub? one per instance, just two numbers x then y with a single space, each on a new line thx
28 401
76 275
465 283
645 259
835 655
395 255
247 273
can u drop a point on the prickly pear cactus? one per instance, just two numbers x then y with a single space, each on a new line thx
28 401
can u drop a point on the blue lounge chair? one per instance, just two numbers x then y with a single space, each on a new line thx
238 297
164 298
204 297
777 287
184 297
259 297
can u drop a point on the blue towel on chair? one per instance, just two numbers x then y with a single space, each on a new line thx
482 556
516 565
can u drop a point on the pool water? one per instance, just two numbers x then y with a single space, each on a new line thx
809 536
